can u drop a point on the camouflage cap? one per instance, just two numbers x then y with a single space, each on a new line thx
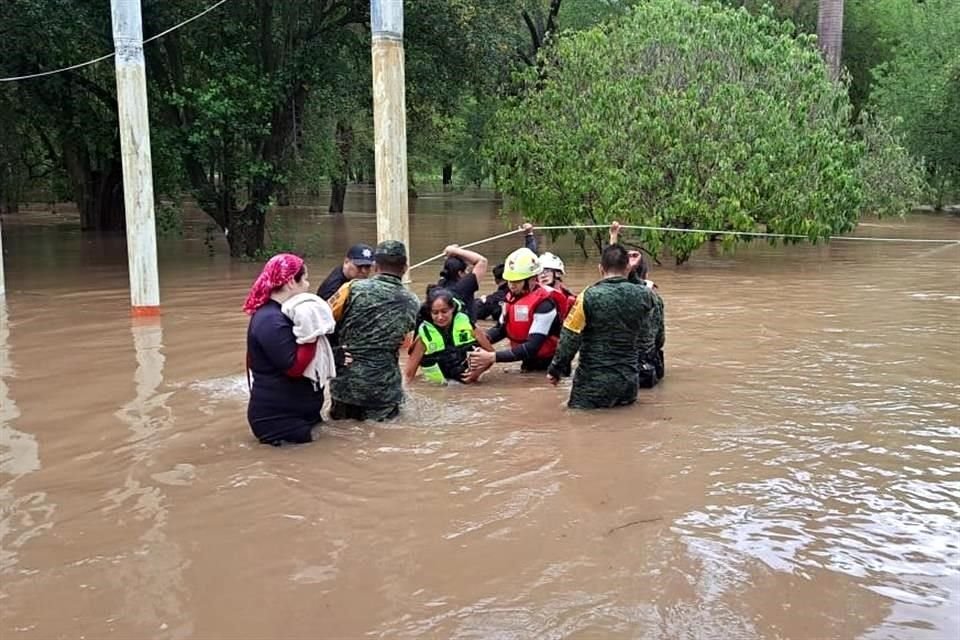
393 248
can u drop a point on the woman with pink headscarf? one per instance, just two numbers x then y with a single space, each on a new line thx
284 404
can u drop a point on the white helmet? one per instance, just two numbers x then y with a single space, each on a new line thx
550 261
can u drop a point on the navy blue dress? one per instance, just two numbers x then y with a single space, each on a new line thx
281 409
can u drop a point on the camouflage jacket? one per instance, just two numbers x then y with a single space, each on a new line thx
373 317
651 350
610 325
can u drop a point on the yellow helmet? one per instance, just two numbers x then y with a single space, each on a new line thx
520 265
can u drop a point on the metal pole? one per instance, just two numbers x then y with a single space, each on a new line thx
137 164
389 120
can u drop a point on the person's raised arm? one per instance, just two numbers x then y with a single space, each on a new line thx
614 232
473 258
529 238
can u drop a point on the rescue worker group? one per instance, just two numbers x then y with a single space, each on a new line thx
345 339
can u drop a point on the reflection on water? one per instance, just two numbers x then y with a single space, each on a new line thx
797 475
18 450
152 580
26 515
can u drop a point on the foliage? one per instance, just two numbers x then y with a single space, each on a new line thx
68 118
893 181
233 96
169 220
683 115
919 92
871 32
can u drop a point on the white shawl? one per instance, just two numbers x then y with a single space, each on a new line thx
313 320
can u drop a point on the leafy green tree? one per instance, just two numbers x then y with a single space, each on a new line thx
683 115
919 92
871 32
893 180
71 115
234 94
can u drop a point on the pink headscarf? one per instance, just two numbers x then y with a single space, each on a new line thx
279 270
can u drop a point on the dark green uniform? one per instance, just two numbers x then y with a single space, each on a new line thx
651 349
610 324
660 333
373 316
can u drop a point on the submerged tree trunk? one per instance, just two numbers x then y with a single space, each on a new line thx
338 193
447 174
97 192
283 196
343 139
245 233
830 34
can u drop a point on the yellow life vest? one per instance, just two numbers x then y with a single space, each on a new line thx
438 352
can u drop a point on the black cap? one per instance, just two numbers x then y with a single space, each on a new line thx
360 255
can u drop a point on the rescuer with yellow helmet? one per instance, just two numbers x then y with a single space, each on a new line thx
531 318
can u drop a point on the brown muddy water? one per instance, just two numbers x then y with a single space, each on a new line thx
797 475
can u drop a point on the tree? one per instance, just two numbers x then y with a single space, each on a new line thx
234 96
918 91
872 31
72 115
683 115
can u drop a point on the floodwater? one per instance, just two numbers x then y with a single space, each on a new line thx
797 475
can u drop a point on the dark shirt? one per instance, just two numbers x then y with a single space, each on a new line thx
281 407
465 290
490 307
332 284
530 242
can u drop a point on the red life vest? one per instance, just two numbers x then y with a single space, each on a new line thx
519 312
569 299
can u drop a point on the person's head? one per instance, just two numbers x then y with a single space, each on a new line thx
390 257
553 269
283 276
636 256
441 306
358 261
519 270
498 274
614 261
454 268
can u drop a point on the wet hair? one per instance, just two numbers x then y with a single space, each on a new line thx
391 264
434 293
498 273
614 259
642 269
451 271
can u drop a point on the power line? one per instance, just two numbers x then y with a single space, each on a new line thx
110 55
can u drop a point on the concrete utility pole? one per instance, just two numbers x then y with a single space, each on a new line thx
137 164
389 120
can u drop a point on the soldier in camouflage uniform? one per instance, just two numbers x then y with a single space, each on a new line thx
373 317
609 325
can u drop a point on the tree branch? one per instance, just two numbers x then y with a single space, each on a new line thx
534 35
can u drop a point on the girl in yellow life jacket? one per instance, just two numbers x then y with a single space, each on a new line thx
444 337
